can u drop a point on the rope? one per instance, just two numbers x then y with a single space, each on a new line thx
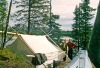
10 27
50 37
47 34
50 31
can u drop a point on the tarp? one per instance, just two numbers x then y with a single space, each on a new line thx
32 44
80 61
39 59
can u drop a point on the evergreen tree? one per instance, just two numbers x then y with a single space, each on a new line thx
3 13
56 32
76 26
3 16
33 11
82 26
53 27
6 27
94 45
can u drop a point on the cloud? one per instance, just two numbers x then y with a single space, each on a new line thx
65 23
66 27
65 9
94 3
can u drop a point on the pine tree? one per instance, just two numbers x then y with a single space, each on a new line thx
3 13
53 27
6 27
33 11
86 27
3 17
56 32
76 26
82 26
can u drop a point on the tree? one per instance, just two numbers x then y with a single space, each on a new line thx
29 12
32 11
76 26
3 12
3 16
54 29
94 45
86 27
7 22
39 15
82 26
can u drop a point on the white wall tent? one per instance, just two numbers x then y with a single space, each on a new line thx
28 45
80 61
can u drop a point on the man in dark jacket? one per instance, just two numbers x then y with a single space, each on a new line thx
70 45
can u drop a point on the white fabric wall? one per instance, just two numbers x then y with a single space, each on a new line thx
80 61
74 63
39 44
87 62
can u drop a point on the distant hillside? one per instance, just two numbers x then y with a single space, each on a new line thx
67 33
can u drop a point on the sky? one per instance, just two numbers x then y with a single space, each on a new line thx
65 9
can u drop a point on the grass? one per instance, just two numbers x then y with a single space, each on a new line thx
10 60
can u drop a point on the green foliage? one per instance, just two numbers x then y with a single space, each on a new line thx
82 26
1 66
4 34
6 53
40 17
3 11
39 13
54 29
94 45
67 33
3 15
14 60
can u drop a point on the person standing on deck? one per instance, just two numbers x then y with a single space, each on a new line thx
70 45
64 46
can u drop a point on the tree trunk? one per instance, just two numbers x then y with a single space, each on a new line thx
5 32
29 11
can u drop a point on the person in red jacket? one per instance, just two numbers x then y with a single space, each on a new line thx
70 45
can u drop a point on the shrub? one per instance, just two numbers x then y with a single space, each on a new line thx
8 59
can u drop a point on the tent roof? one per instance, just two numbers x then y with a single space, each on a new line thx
39 44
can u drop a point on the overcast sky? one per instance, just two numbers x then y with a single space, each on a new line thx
65 9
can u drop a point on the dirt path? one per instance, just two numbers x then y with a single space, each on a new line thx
64 63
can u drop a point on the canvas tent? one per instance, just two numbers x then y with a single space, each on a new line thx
28 45
80 61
